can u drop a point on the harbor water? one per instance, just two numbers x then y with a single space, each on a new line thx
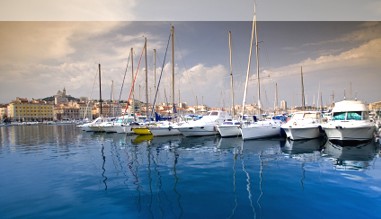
59 171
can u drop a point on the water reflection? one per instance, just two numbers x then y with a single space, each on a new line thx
204 142
302 146
29 139
178 177
352 157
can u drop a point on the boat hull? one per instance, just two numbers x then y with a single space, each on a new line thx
343 133
300 133
164 131
229 130
198 130
260 130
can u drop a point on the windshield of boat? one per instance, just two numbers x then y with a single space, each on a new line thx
352 115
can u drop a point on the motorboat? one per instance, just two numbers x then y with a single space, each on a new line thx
86 126
164 128
161 128
99 126
121 125
350 122
207 125
303 125
230 128
261 129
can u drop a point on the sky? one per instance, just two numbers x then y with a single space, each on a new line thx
46 47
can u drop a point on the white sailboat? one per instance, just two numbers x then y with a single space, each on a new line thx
162 128
257 129
231 127
207 125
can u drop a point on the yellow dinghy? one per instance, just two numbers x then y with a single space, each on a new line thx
142 131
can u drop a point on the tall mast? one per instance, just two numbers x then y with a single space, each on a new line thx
173 67
276 97
303 97
179 98
112 97
132 81
100 90
146 71
248 64
231 71
112 91
154 71
257 59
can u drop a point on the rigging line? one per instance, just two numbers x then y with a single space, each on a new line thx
133 82
121 88
185 67
161 74
162 69
91 94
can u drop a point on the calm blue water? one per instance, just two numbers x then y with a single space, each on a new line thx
60 171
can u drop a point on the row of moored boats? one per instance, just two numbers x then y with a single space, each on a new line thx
349 120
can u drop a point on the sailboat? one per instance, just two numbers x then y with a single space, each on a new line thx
263 128
230 127
162 128
94 125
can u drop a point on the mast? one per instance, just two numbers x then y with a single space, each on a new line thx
133 87
179 97
231 71
100 90
146 71
196 104
112 97
173 67
276 97
257 59
303 97
249 63
154 71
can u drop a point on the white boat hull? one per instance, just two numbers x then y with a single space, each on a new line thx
229 130
347 133
164 131
299 133
198 130
119 128
260 130
109 129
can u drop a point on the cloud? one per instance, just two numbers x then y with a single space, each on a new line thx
203 82
363 55
67 10
31 42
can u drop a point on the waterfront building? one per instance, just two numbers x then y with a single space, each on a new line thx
3 112
23 110
85 110
109 109
376 106
68 111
